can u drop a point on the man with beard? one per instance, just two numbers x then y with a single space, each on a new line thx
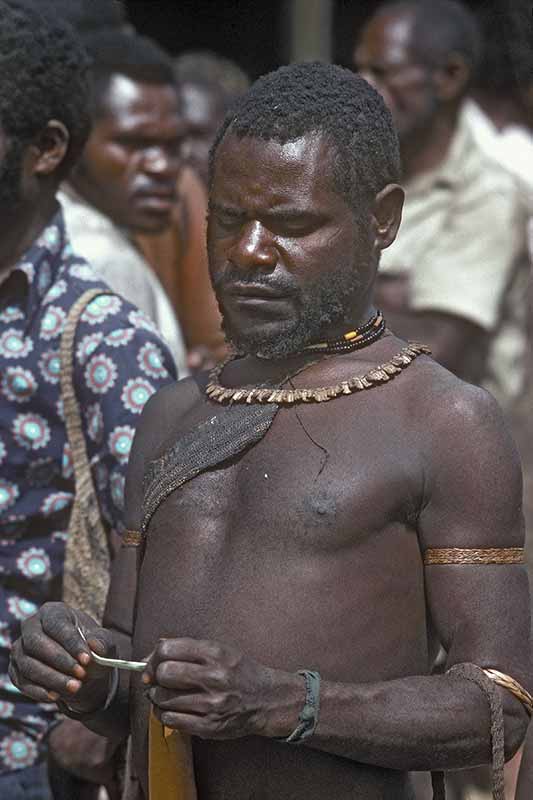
117 359
311 518
456 277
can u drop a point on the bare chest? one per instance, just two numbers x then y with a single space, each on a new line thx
309 527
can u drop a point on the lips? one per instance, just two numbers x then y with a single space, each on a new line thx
156 196
255 292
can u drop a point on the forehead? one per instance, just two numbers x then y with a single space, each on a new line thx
128 102
386 37
199 105
267 174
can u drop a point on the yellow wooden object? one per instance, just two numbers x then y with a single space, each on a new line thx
171 771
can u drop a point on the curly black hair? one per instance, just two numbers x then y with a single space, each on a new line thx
43 76
330 101
117 53
440 28
85 16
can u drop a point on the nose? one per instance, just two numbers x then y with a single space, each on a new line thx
254 248
161 163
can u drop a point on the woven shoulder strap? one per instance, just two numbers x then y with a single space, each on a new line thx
87 556
71 407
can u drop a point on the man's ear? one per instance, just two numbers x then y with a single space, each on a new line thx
451 79
388 214
49 148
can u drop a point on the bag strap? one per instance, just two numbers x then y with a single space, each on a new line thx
72 414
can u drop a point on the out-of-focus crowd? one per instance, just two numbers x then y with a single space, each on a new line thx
132 214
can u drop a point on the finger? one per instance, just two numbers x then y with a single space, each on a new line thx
185 703
59 622
35 673
183 675
38 645
186 723
197 651
35 692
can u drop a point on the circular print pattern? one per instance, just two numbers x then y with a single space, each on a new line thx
52 323
11 314
95 422
117 483
136 394
150 359
20 608
34 563
83 271
17 751
101 374
50 366
31 431
87 346
60 410
9 493
44 277
13 344
67 467
119 337
3 452
120 441
5 638
6 709
55 502
101 307
18 384
56 291
51 239
139 320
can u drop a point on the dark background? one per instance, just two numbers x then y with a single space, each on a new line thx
252 32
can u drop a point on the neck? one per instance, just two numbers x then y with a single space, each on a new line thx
20 231
426 151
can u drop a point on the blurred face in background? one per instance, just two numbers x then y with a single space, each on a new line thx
133 158
384 58
202 115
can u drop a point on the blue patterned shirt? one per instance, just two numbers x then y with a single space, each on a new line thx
120 361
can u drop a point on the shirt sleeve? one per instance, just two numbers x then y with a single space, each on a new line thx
120 362
470 264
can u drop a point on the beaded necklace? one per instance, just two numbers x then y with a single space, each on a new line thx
353 340
269 394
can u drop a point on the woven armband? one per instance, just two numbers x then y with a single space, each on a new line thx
460 555
132 539
516 689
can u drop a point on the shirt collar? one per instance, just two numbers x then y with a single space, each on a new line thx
42 262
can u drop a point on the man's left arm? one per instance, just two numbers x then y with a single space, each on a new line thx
480 613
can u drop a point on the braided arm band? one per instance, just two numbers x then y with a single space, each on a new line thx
460 555
512 686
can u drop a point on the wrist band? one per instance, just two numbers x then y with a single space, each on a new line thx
308 717
72 713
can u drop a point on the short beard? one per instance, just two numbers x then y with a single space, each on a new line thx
322 306
10 178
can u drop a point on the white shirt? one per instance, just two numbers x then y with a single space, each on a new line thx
116 260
